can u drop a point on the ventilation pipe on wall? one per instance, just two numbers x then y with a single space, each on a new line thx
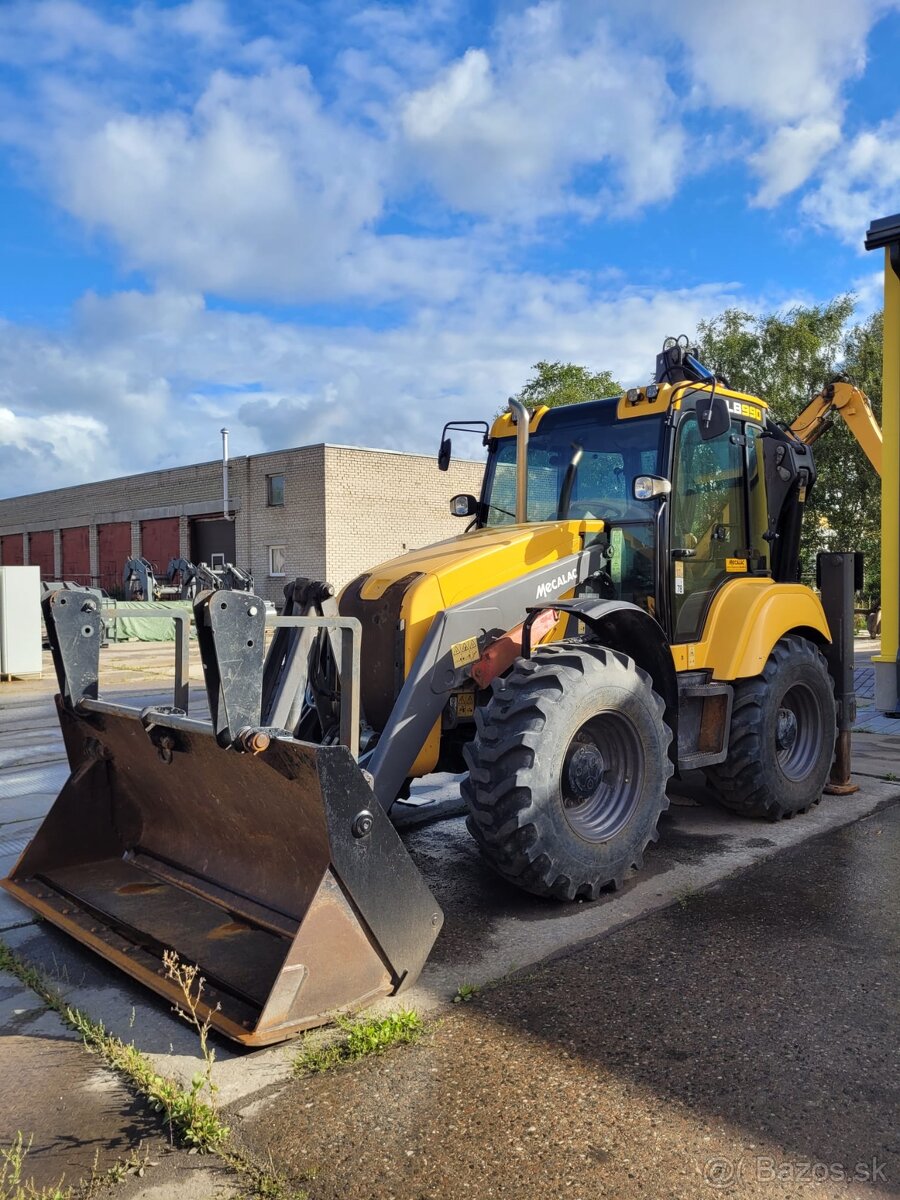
226 506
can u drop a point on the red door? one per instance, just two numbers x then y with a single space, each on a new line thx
113 548
12 550
159 542
40 552
76 554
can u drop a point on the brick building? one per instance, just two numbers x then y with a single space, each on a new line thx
327 512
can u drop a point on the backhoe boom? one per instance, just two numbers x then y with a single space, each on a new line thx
856 410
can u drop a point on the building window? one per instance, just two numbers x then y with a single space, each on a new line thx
276 560
275 491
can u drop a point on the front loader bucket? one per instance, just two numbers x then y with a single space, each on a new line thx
275 872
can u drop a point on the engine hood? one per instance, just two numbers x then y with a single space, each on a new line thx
474 562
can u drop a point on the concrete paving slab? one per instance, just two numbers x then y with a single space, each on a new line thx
29 729
870 720
15 836
29 807
27 756
32 733
877 754
12 913
53 1092
25 782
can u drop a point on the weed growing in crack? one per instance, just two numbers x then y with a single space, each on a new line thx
13 1186
466 992
202 1120
189 1116
360 1038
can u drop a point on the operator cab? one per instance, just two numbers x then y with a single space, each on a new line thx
693 482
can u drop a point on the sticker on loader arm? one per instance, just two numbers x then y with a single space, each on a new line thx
679 578
465 652
465 704
734 565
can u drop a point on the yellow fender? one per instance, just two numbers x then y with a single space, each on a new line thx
747 617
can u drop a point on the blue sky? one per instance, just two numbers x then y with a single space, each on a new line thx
351 222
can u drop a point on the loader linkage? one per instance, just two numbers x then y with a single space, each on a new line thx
264 860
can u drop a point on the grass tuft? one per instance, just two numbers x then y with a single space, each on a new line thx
466 992
360 1038
13 1186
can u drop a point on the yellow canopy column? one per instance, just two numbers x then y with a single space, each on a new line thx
885 233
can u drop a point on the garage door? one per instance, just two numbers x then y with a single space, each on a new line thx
159 542
40 552
212 541
11 550
76 554
113 548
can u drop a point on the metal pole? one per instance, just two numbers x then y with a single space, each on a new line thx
837 576
226 506
520 416
885 233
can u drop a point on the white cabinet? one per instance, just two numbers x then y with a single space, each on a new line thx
20 620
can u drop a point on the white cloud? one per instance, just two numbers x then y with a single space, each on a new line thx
791 155
784 64
780 61
862 182
504 133
255 191
147 380
57 448
52 31
212 159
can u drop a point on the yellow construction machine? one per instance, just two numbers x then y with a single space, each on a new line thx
624 603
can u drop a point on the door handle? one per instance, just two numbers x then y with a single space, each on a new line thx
684 552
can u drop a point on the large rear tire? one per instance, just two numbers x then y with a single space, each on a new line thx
568 770
783 730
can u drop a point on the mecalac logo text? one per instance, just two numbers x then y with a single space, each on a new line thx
557 584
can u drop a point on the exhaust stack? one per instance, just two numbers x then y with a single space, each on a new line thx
520 415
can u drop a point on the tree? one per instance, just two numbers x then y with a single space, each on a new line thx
559 383
786 358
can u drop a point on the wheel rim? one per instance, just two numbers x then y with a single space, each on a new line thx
798 732
602 776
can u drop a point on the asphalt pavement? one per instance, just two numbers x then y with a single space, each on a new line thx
741 1042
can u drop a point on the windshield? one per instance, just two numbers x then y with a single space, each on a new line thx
613 452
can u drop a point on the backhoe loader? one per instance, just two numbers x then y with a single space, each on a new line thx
623 604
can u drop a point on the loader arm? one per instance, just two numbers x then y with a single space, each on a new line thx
856 410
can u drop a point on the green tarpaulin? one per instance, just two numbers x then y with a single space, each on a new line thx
133 624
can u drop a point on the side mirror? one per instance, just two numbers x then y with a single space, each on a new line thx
713 417
648 487
444 454
463 505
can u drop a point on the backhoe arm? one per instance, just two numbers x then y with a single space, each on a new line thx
856 410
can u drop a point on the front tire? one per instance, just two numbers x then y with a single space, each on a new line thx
568 770
783 730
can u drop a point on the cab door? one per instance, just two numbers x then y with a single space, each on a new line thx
709 523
